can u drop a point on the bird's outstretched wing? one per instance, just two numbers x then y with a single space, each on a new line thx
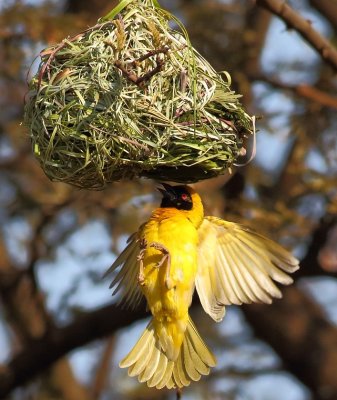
125 281
237 265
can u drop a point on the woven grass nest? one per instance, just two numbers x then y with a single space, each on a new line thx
130 97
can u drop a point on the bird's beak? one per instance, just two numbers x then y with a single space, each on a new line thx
167 191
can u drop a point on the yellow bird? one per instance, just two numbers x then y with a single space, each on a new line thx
175 251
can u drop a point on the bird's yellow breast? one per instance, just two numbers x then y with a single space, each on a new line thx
176 234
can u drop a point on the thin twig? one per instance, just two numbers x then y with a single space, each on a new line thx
150 74
151 53
303 90
103 369
140 80
304 27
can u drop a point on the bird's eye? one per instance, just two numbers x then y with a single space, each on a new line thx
184 196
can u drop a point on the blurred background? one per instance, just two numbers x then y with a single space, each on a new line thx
61 334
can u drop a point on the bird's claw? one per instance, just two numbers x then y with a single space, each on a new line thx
166 258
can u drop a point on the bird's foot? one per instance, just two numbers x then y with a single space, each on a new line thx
165 259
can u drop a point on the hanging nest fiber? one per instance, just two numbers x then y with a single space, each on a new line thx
130 97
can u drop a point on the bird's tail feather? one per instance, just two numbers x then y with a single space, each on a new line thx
148 361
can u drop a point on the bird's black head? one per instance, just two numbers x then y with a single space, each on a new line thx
176 197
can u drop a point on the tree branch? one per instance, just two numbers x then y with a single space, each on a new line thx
297 328
328 9
294 21
310 264
103 369
29 319
41 353
303 90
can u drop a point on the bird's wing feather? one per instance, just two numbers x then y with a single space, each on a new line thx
237 265
125 281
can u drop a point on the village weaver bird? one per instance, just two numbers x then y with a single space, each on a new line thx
175 251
